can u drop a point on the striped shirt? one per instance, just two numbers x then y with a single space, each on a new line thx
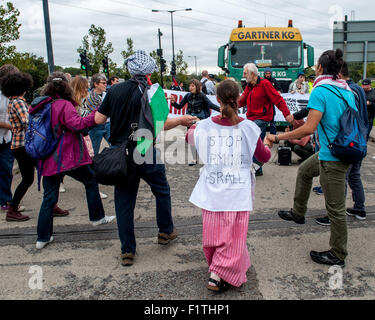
18 118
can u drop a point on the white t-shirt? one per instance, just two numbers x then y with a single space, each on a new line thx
5 134
226 181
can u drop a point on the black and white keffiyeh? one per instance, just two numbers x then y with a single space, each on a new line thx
140 63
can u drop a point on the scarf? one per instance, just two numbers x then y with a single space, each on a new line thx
140 64
146 120
328 79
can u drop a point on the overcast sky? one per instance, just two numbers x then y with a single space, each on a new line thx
199 32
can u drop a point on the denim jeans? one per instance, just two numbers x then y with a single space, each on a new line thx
263 127
6 176
98 133
353 178
125 199
51 186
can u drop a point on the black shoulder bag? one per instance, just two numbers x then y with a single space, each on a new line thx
115 165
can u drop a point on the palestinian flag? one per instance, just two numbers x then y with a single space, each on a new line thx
160 111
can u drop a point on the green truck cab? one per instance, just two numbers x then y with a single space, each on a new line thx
282 49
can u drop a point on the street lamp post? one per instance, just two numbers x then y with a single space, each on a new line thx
173 56
195 58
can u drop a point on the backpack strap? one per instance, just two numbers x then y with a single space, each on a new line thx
347 106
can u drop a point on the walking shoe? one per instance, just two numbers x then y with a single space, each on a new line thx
103 195
58 212
326 257
359 214
164 238
127 259
290 215
259 172
193 163
15 215
41 244
324 221
62 188
105 220
318 190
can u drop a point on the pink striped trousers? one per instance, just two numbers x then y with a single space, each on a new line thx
224 244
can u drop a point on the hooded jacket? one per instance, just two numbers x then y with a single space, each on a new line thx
260 100
71 151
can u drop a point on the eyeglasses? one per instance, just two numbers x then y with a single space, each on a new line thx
102 82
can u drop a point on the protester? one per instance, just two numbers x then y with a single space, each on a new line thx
325 108
70 158
224 190
182 86
112 81
302 147
14 87
311 79
94 100
80 89
6 156
299 86
353 175
207 85
260 97
123 105
370 96
198 104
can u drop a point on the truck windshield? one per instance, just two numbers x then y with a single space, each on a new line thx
267 54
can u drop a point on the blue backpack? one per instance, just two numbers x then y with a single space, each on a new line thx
350 144
40 139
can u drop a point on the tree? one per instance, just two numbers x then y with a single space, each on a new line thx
126 54
30 63
96 47
9 29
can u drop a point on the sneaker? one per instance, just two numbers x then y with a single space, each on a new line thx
41 244
103 195
62 188
127 259
359 214
327 257
193 163
105 220
164 238
15 215
290 215
58 212
318 190
324 221
259 172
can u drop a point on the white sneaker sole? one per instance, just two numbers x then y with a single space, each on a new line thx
40 245
356 216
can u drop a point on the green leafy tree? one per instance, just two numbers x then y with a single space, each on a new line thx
95 43
30 63
9 29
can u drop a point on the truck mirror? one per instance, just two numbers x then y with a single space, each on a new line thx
221 57
310 56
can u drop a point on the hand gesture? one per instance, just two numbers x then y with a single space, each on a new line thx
188 120
172 98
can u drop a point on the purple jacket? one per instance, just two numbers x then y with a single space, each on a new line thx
71 150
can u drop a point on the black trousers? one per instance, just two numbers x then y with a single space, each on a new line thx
27 167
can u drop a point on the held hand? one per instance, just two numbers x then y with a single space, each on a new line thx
271 138
290 118
172 98
268 142
188 120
